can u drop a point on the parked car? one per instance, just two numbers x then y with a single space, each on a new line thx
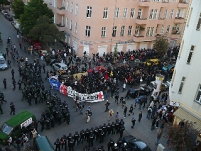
137 92
4 12
164 86
3 64
16 25
50 59
134 144
9 18
60 66
168 68
151 62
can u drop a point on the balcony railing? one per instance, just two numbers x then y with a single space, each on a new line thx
144 3
183 1
138 36
144 0
60 8
179 17
60 25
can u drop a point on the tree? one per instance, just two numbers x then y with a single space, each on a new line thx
18 8
45 30
161 45
4 2
32 12
182 137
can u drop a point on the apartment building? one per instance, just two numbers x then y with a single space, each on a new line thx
186 81
98 25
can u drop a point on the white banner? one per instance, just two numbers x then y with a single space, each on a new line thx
83 97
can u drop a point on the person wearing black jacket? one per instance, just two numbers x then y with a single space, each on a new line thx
91 139
57 144
76 137
71 144
110 144
64 142
82 135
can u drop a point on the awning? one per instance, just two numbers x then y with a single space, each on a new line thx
185 114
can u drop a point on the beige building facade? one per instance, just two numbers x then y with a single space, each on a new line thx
98 25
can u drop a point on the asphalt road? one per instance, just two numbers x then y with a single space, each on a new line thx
78 122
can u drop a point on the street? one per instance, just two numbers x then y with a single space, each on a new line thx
141 130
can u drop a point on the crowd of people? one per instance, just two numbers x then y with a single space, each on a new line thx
111 81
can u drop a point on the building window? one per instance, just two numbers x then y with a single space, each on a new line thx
114 31
199 23
180 13
87 31
66 22
151 14
162 29
137 30
76 9
139 15
71 7
168 29
75 28
148 31
132 15
103 32
105 13
155 13
152 31
198 95
122 30
89 11
67 5
70 25
130 30
190 54
125 12
116 14
172 14
181 84
165 14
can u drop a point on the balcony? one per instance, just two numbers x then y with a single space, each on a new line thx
61 27
138 38
141 21
61 10
183 3
161 20
144 3
179 20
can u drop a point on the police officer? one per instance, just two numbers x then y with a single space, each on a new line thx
102 136
82 135
113 128
96 133
14 84
12 108
110 144
68 118
4 83
13 73
64 142
87 133
71 144
76 137
108 129
58 144
121 130
42 123
91 139
119 143
47 122
104 128
117 126
1 109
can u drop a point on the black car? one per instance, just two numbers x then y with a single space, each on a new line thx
138 92
134 144
9 18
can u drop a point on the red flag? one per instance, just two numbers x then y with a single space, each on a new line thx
106 76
